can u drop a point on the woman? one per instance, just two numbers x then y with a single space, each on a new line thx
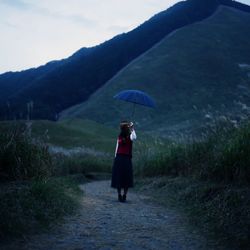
122 172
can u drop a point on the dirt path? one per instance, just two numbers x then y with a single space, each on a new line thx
104 223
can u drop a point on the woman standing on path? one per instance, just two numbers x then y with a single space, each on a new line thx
122 172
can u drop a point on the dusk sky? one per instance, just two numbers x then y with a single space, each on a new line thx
34 32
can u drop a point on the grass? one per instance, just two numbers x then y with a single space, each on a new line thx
76 133
222 155
208 179
68 134
28 207
37 162
21 156
81 163
220 211
61 148
78 146
32 196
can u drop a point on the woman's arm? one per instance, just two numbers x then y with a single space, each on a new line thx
116 147
133 135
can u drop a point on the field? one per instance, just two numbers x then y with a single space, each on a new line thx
208 177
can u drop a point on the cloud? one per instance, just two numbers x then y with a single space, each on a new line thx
9 25
117 29
245 1
19 4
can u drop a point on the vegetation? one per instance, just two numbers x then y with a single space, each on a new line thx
30 197
209 179
41 164
21 157
76 133
219 210
31 206
221 155
81 163
44 92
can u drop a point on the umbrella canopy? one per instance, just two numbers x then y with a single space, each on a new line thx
137 97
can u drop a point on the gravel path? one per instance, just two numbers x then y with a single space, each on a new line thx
104 223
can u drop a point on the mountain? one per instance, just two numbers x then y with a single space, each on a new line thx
47 90
196 74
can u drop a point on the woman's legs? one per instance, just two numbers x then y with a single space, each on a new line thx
120 196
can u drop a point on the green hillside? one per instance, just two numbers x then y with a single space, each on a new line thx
76 146
70 134
75 136
196 74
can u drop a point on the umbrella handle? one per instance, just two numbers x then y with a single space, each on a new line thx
132 117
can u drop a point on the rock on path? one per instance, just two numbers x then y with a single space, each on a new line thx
106 224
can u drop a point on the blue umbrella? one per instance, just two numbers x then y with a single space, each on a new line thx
136 97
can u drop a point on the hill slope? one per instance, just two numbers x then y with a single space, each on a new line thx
53 88
195 74
68 134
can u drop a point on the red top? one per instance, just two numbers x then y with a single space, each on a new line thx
124 148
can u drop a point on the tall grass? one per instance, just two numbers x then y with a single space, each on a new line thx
32 206
220 211
21 157
222 155
209 178
30 197
80 163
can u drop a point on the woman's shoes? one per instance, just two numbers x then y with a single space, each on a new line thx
122 198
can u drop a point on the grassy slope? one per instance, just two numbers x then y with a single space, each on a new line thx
217 207
87 146
82 133
28 207
220 211
208 180
77 133
191 73
72 133
33 204
30 197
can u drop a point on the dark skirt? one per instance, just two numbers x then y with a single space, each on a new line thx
122 172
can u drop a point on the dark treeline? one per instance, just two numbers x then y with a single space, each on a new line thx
41 93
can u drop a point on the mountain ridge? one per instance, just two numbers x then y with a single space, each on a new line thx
184 71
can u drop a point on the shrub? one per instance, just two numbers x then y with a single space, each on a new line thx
80 164
222 155
26 207
21 157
